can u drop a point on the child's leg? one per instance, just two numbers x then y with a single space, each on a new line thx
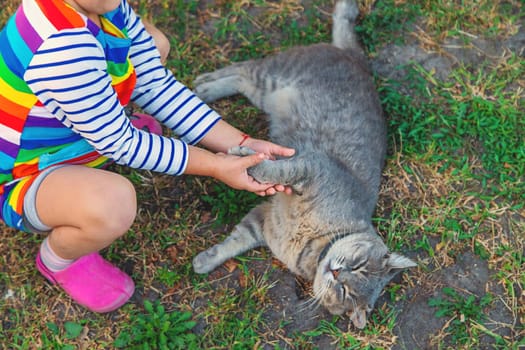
162 43
86 209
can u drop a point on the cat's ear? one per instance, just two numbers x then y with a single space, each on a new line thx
397 262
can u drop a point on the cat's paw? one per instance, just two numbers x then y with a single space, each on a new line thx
260 171
200 263
241 151
206 261
347 9
264 172
215 85
205 91
271 171
203 78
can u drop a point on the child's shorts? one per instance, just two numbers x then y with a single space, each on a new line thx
18 199
18 202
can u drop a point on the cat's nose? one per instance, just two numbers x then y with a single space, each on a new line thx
335 272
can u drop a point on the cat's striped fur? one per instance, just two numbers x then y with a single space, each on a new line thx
322 101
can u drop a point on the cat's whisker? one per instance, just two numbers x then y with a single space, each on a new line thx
311 305
314 302
322 291
335 178
315 306
317 297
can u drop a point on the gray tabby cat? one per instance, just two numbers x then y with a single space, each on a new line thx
322 101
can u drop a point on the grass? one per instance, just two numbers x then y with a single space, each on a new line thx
228 205
463 311
158 329
453 189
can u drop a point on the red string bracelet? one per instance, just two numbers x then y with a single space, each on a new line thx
244 138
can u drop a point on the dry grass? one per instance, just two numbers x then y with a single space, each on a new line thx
455 209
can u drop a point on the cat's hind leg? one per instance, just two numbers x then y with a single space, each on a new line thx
344 17
245 236
221 83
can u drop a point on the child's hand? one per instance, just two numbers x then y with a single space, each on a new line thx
272 150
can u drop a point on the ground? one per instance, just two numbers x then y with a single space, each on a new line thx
451 82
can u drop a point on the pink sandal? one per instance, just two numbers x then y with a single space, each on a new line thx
92 282
145 122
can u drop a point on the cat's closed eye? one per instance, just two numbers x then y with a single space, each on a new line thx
316 97
359 266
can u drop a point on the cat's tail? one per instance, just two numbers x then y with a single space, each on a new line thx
344 17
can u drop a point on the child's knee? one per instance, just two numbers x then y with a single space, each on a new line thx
115 210
163 45
161 41
123 208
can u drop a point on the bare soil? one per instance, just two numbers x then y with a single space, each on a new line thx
416 326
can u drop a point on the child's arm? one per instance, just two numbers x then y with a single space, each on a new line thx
69 76
159 93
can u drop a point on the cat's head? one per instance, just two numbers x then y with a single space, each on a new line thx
351 273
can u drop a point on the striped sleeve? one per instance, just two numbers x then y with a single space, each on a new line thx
159 93
68 75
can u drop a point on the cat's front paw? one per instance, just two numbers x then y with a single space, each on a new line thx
276 172
241 151
204 262
199 264
260 171
264 172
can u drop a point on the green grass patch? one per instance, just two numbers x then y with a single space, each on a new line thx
234 317
229 205
453 185
474 117
387 23
463 312
157 328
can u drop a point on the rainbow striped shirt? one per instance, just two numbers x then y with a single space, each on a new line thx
64 82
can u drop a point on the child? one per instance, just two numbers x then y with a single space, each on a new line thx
67 69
